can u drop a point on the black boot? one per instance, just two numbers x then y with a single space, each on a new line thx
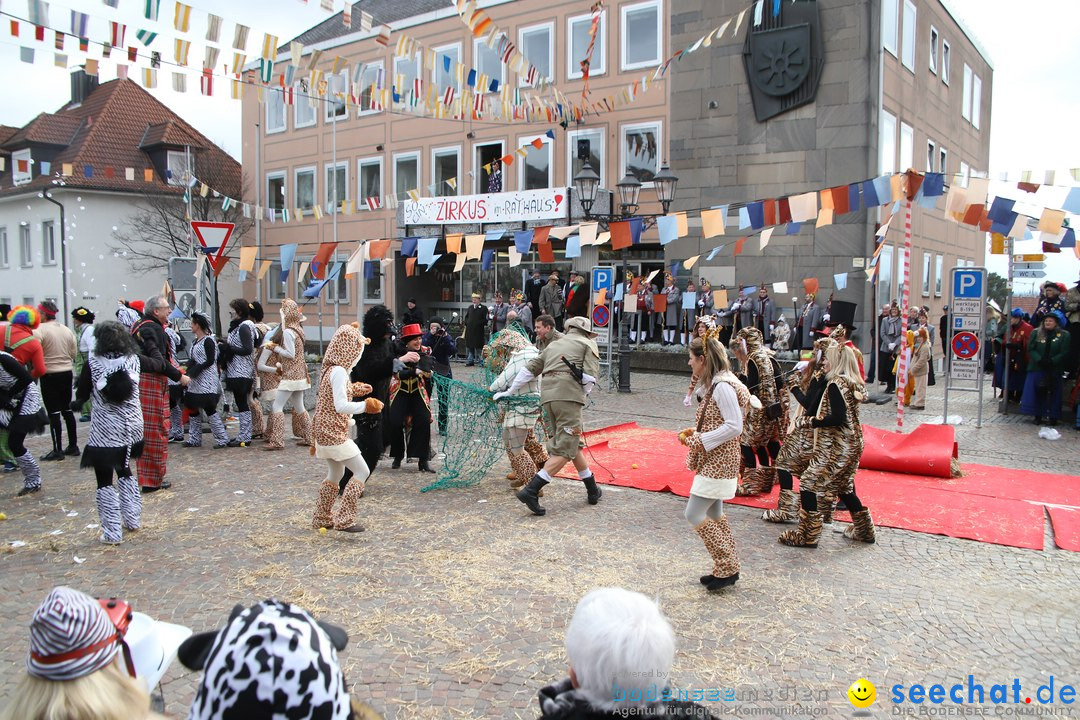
530 494
592 489
422 466
396 465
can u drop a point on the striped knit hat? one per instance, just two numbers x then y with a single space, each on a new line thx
71 636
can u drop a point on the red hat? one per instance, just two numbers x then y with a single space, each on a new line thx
411 331
137 305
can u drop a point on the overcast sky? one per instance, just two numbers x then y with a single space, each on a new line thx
1032 45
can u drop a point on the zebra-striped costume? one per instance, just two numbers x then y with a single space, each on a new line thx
26 410
22 412
204 392
240 375
241 366
176 390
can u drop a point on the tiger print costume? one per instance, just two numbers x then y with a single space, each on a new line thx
762 434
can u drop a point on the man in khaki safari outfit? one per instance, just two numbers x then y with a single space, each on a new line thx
568 365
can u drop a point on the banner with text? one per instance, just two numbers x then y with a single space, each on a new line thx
523 206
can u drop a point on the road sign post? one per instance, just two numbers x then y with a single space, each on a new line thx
967 303
602 277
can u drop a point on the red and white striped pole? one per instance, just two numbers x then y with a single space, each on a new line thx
901 369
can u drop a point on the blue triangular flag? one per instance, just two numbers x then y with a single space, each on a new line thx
426 250
486 259
883 189
840 281
933 184
712 253
870 195
794 228
1069 240
668 227
1072 202
675 266
756 213
853 197
636 226
493 235
744 218
287 254
446 63
177 314
408 247
573 246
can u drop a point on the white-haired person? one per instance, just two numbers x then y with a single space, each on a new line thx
77 667
620 649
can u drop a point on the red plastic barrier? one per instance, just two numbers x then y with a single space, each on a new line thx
926 450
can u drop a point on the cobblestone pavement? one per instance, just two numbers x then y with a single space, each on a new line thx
456 601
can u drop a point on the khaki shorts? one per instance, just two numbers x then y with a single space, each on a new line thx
562 421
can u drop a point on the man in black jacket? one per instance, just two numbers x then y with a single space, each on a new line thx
413 314
443 348
476 320
149 332
532 292
410 399
375 368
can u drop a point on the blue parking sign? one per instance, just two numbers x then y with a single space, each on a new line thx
603 278
968 284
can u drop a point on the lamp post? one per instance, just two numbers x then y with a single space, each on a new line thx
586 185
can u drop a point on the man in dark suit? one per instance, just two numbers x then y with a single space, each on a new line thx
532 292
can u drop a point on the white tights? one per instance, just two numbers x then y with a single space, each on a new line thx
282 397
355 463
697 508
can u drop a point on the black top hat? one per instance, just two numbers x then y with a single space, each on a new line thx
842 313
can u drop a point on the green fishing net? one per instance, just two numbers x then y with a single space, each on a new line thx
473 442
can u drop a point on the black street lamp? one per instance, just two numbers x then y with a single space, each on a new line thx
586 185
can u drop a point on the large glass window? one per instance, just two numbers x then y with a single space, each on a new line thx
535 170
641 151
373 275
943 160
907 147
444 77
21 159
337 186
445 166
537 44
931 155
4 260
305 188
275 289
487 62
976 101
369 172
965 109
641 37
303 109
26 249
577 31
595 151
887 144
177 169
926 274
487 170
406 71
368 80
933 49
406 174
275 190
890 12
48 243
965 174
275 110
886 292
939 263
907 52
336 90
946 59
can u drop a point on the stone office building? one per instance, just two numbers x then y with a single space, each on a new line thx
889 85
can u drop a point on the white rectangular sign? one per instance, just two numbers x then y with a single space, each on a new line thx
967 322
964 369
523 206
967 307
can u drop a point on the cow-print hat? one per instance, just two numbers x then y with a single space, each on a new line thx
271 661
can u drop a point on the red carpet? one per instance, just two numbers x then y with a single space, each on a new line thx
926 450
988 504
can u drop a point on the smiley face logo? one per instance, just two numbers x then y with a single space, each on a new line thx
862 693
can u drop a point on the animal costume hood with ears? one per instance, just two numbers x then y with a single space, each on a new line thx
291 317
345 348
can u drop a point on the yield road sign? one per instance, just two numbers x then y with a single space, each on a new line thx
214 237
1032 274
965 345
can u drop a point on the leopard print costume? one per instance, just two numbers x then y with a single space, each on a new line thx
798 446
720 463
758 430
836 449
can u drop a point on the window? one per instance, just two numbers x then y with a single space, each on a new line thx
369 176
965 109
305 187
445 165
885 275
22 157
943 160
946 58
369 78
337 186
303 109
337 89
574 165
976 102
443 77
535 169
887 144
406 174
275 190
176 169
641 151
890 11
487 62
29 300
4 260
5 301
926 274
487 172
907 52
640 38
26 250
337 290
275 111
931 155
965 174
275 289
907 147
933 49
406 72
577 30
373 280
939 263
537 44
48 243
